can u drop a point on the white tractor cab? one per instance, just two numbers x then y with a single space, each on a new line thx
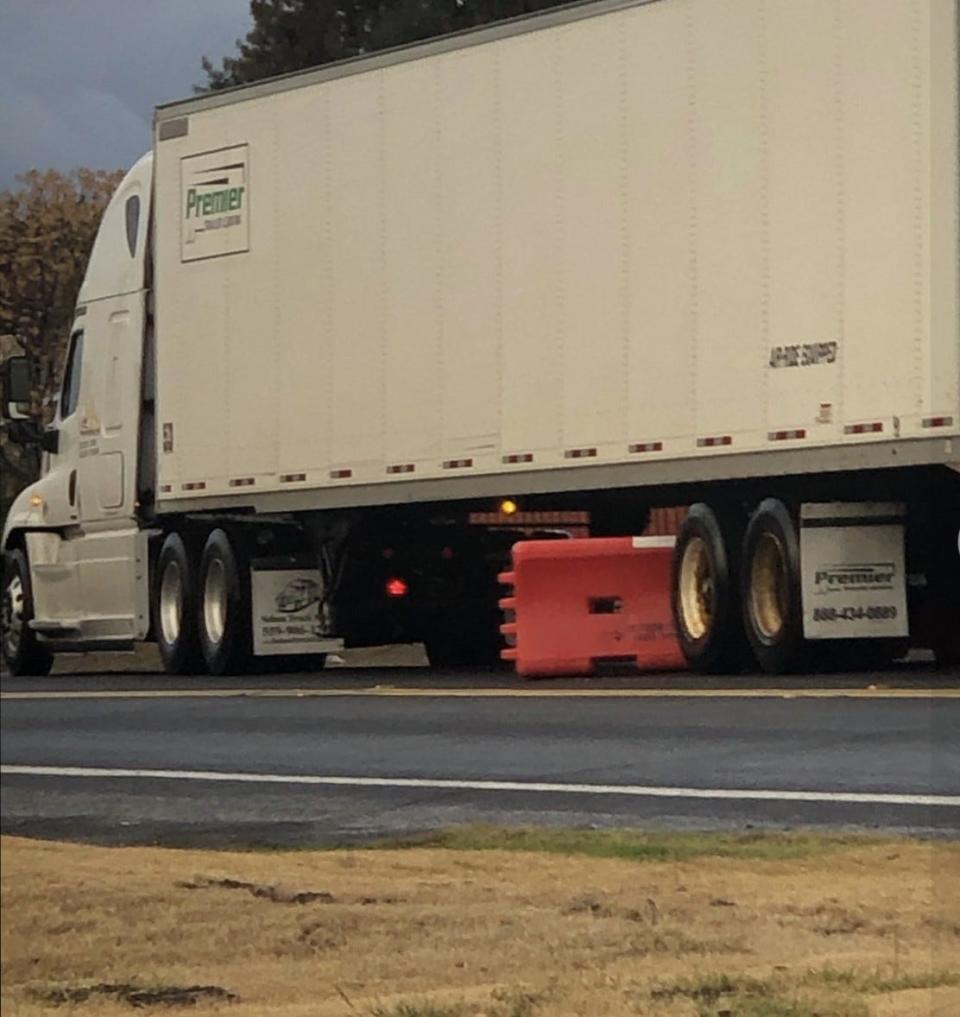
88 565
73 538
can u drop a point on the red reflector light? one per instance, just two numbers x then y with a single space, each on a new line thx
396 587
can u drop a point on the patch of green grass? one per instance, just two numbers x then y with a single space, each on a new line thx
424 1009
627 844
506 1003
752 997
866 982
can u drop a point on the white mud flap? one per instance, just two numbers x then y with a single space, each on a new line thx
852 568
287 606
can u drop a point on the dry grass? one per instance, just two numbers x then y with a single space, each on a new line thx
836 929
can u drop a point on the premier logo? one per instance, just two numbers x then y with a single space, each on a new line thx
214 203
862 576
229 199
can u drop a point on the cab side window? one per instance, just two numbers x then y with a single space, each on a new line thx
70 394
132 211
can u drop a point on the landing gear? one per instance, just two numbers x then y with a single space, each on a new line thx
24 655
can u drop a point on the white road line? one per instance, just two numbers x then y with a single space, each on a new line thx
633 790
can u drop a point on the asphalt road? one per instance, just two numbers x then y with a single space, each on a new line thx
306 760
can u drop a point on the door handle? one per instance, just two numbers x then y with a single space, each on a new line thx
72 487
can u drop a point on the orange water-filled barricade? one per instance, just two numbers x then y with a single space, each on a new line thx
579 602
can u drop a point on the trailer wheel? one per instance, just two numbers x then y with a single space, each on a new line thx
25 656
175 609
224 606
944 581
704 591
770 576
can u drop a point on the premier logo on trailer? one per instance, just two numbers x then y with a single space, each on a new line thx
215 195
865 576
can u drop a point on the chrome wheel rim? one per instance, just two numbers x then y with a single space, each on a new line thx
171 603
13 608
696 589
215 601
768 587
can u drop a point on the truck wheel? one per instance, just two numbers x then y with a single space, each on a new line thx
24 655
770 576
944 580
175 609
704 592
224 606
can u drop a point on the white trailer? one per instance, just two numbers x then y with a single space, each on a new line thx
620 254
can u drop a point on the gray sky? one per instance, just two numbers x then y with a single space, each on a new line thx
79 78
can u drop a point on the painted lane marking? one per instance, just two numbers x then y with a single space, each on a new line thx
388 691
632 790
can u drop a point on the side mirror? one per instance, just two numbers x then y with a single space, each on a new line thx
17 383
28 432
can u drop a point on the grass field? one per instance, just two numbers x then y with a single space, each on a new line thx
485 922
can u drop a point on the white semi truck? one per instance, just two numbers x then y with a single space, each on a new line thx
616 255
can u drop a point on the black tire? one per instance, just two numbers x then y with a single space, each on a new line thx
25 656
175 608
223 606
771 589
944 582
704 592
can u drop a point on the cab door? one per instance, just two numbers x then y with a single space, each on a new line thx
111 550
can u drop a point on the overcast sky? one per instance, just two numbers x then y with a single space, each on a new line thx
79 78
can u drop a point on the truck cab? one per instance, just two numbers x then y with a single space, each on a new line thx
74 542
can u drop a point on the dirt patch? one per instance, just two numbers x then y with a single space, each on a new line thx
839 929
135 995
277 894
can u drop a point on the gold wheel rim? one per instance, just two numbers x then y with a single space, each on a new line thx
696 588
769 588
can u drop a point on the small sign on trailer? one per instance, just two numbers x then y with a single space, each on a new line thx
852 568
287 609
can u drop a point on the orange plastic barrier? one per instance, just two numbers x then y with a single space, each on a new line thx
577 602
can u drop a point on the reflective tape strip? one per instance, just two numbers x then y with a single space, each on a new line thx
401 468
872 428
457 464
194 485
292 478
580 453
714 440
938 421
789 435
518 457
241 482
340 474
646 446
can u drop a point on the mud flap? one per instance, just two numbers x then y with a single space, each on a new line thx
288 608
853 571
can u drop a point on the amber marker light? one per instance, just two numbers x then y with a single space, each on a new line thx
508 507
36 501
